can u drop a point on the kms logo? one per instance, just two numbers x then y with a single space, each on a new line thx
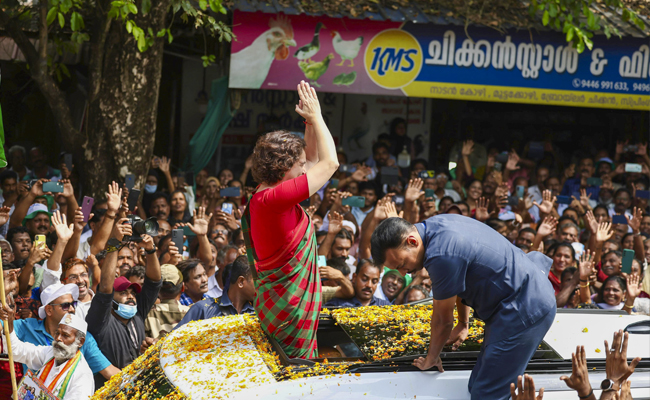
393 59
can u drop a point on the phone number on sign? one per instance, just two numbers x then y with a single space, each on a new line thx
586 83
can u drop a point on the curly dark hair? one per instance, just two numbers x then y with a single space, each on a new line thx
275 153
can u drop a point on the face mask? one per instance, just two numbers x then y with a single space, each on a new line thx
150 188
125 311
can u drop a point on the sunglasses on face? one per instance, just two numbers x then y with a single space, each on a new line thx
65 306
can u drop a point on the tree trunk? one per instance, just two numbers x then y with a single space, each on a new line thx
120 126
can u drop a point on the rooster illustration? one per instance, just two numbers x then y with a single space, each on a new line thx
347 49
250 66
306 52
314 70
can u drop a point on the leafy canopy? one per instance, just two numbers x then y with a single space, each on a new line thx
577 19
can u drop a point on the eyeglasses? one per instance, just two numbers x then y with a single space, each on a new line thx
75 278
220 231
65 306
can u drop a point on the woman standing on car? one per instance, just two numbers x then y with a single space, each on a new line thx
280 239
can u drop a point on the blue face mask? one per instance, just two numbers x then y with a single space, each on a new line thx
150 188
126 311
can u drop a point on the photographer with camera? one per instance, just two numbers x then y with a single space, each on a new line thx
119 308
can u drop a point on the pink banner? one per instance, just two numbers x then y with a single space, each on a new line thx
274 51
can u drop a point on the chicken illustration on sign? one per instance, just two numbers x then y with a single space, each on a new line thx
250 66
306 52
314 70
347 49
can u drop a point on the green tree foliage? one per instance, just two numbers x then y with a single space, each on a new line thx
578 21
67 22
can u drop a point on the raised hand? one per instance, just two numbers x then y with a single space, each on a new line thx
122 228
579 379
309 106
311 210
60 223
68 190
626 393
380 209
4 215
201 222
584 199
174 256
360 175
548 200
616 364
227 219
37 187
79 220
591 221
642 149
336 223
164 164
147 243
482 213
114 197
604 232
513 160
414 190
633 288
586 265
38 253
620 146
635 221
391 211
527 393
468 147
547 227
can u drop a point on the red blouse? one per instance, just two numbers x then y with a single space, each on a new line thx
275 216
555 281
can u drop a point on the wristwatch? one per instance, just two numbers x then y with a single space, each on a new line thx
607 385
152 250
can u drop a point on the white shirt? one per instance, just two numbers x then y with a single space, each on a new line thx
4 228
84 250
82 383
50 277
214 290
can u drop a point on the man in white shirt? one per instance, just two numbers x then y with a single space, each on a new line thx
74 271
61 367
225 256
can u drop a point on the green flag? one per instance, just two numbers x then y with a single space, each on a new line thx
3 158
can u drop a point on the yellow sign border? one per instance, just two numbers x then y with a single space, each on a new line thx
506 94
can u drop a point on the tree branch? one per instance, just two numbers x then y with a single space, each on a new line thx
39 72
97 55
42 34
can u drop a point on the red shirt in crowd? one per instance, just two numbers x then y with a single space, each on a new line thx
555 281
275 217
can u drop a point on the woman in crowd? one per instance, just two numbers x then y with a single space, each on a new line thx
279 233
618 294
563 258
179 212
474 192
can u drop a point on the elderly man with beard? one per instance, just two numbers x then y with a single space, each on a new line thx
365 282
119 308
59 300
61 367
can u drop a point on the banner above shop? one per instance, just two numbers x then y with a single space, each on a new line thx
274 51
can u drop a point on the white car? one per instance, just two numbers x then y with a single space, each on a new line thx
230 358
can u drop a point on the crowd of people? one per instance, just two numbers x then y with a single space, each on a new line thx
126 289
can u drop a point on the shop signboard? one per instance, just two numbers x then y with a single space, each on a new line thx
339 55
